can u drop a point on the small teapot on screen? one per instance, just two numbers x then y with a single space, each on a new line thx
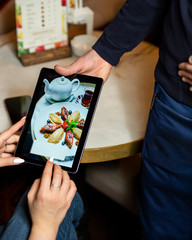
60 88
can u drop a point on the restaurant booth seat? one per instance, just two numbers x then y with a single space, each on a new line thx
118 180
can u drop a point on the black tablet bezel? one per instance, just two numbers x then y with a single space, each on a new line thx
36 159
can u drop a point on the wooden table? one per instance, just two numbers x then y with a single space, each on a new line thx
120 120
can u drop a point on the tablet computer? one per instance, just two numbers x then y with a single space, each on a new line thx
59 118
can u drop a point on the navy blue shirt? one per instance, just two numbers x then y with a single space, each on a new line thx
134 22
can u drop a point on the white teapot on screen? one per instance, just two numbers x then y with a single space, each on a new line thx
60 88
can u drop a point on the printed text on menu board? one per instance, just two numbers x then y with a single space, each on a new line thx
41 25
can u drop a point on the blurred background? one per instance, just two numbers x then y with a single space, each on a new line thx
109 189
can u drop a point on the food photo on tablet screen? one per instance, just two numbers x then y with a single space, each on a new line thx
59 118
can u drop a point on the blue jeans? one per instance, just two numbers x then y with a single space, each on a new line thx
166 174
19 226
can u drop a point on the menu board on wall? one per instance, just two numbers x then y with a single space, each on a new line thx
41 26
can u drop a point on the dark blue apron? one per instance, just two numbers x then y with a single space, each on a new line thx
166 175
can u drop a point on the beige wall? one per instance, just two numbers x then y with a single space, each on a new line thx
7 17
104 12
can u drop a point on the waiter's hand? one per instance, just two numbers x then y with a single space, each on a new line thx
185 72
89 64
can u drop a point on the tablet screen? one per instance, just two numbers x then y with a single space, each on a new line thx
59 118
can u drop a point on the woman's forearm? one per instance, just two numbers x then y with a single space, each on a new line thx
42 234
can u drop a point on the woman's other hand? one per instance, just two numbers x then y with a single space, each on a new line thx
8 141
185 72
89 64
49 200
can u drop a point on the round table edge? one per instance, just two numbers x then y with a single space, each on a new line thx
103 154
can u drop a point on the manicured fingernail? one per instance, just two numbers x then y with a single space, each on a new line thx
18 161
23 117
190 59
51 159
